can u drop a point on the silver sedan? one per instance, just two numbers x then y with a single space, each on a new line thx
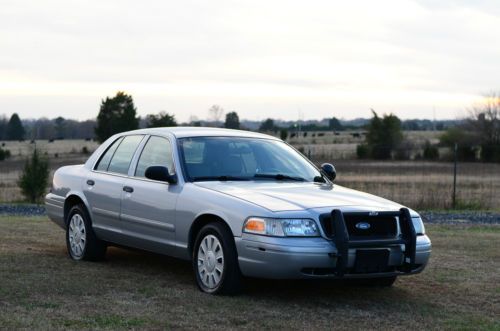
236 204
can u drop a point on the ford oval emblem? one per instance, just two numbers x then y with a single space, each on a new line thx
363 225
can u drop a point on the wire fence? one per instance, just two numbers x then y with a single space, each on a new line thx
424 185
416 183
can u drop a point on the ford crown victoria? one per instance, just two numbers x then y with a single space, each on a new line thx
236 204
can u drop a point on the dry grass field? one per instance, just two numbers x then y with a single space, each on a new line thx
342 145
424 185
41 288
61 147
59 153
417 184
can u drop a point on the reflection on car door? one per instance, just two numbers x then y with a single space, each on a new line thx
148 207
103 186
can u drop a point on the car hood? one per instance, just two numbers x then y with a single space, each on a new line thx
287 196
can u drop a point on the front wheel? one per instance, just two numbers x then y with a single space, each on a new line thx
215 261
81 240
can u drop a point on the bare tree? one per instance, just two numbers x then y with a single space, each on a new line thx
215 114
484 124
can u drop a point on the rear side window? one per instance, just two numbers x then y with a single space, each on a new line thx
123 154
104 161
157 152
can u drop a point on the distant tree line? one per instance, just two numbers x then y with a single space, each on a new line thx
477 138
12 129
44 128
384 139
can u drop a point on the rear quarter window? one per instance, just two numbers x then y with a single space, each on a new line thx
120 162
103 163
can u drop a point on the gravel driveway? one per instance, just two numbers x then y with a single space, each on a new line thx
443 217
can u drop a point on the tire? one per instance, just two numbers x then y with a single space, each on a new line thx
81 241
374 282
215 261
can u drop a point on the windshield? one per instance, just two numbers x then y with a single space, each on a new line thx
233 158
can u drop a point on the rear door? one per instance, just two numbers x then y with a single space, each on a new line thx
104 185
148 206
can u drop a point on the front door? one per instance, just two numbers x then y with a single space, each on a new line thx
148 206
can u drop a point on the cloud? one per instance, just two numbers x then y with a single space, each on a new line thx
405 56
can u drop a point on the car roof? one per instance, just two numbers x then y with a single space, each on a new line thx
193 131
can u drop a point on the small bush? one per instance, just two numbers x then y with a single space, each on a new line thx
34 178
283 134
4 154
431 152
402 154
85 150
362 151
381 152
490 153
403 150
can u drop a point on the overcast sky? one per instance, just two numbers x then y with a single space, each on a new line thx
262 59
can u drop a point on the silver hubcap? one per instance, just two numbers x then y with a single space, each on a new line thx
77 235
210 261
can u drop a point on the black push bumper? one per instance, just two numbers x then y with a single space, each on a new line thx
341 239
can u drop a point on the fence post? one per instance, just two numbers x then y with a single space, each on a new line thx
454 197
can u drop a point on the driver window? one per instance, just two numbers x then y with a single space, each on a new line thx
157 152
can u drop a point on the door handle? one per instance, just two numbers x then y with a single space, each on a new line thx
128 189
90 182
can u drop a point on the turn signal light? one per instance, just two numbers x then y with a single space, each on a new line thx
254 225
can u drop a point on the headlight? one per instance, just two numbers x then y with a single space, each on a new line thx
281 227
418 225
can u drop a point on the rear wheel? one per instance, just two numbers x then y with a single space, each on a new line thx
81 240
215 262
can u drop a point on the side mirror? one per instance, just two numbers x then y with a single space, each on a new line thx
161 174
329 170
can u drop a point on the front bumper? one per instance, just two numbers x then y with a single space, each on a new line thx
295 258
336 257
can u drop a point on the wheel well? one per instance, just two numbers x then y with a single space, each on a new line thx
70 202
198 223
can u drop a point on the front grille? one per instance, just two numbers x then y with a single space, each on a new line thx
380 226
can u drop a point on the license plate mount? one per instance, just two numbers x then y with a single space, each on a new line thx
371 260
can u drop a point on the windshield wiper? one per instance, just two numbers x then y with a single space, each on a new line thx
221 178
279 177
